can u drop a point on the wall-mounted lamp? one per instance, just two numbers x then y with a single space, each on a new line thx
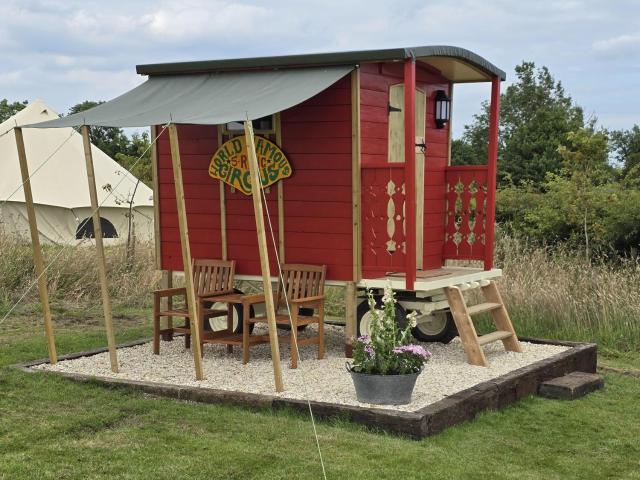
443 109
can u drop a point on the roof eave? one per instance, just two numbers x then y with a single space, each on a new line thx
283 61
320 60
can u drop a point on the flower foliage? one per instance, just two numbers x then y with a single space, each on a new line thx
388 350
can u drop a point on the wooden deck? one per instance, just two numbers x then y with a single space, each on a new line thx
431 281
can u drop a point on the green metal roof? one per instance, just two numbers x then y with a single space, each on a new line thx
425 54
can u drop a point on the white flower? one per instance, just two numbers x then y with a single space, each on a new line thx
411 318
388 294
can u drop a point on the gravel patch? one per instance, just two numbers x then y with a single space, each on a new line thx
321 380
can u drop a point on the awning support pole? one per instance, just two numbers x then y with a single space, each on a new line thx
35 244
492 167
410 169
102 264
196 346
256 187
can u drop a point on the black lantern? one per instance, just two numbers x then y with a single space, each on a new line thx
443 108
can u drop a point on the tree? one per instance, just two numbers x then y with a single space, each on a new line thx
584 205
137 158
110 140
626 147
8 110
585 164
536 115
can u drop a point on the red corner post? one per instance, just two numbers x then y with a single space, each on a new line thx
410 169
492 166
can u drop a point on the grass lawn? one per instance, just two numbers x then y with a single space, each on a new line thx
53 428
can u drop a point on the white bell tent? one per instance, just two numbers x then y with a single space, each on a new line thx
60 190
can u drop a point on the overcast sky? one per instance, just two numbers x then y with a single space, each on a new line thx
69 51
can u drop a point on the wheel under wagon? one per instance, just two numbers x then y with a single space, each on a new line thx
434 322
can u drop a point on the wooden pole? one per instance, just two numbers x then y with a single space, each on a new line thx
256 186
410 169
196 346
223 207
153 132
492 166
35 245
102 264
351 317
281 250
223 221
356 205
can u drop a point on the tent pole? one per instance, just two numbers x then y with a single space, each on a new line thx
186 251
102 264
264 256
35 244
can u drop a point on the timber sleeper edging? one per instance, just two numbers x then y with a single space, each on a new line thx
460 407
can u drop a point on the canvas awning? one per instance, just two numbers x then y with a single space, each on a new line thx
207 98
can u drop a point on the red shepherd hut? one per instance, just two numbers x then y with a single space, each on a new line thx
355 159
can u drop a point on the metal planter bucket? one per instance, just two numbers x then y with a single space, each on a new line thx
384 389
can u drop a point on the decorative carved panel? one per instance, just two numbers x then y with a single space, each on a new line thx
466 209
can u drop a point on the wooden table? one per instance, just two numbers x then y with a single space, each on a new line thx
229 337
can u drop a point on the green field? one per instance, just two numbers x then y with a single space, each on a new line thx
53 428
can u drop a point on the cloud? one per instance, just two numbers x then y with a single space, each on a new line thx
8 79
197 20
621 44
74 50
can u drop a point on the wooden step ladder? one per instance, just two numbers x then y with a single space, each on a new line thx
471 342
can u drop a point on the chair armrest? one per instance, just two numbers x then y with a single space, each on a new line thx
253 298
170 292
218 293
303 301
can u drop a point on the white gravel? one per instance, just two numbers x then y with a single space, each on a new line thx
325 380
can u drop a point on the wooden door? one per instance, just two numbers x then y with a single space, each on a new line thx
383 194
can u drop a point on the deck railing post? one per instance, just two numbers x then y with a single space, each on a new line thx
35 245
196 346
492 166
102 264
410 169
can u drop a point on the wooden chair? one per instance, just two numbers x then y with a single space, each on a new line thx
210 278
303 287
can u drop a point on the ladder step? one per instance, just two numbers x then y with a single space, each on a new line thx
494 337
483 307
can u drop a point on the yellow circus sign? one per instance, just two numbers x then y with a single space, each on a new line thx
231 164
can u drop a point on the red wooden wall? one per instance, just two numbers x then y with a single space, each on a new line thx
375 81
197 144
316 137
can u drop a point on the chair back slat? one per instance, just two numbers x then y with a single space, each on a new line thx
213 275
300 281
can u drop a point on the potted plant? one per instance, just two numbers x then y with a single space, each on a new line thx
386 365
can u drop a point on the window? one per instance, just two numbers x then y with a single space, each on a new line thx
260 125
86 230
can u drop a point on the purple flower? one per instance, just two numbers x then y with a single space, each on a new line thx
417 350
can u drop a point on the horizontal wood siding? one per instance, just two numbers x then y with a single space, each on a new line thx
197 144
374 84
316 137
